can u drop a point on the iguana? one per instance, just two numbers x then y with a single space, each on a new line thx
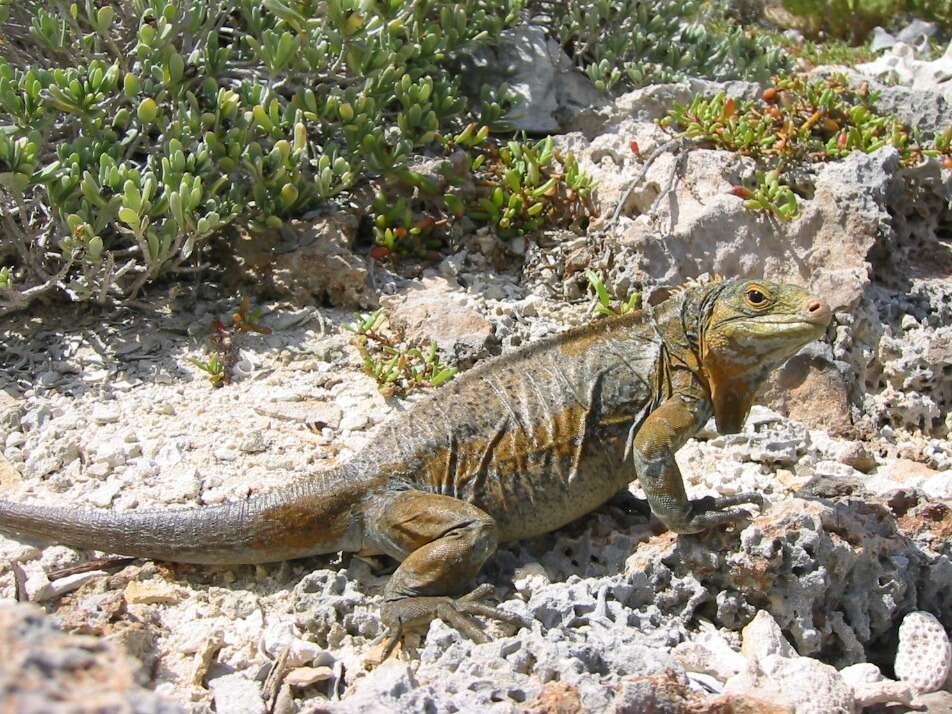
516 447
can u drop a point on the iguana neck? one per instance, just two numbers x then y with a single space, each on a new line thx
730 387
675 324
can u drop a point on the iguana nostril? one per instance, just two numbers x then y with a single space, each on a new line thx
819 312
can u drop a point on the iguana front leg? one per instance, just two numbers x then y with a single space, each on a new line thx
660 436
442 543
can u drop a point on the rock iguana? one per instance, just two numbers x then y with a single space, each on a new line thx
516 447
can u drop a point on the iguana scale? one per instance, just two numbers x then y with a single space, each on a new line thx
516 447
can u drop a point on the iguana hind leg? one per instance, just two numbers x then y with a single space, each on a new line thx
442 543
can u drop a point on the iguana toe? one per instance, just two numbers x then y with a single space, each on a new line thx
410 614
712 512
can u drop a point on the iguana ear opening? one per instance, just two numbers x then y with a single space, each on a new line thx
732 401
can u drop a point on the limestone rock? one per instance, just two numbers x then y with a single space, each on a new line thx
763 638
709 657
701 227
436 313
309 262
550 90
9 475
664 693
870 687
806 685
901 65
811 388
556 698
11 412
236 694
152 592
306 676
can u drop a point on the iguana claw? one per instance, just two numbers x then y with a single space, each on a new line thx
410 613
711 512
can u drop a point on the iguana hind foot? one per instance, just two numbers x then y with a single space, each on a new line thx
410 614
712 512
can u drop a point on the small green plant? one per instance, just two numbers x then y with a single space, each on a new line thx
797 119
223 342
771 196
527 186
397 368
6 278
942 147
605 306
214 367
831 51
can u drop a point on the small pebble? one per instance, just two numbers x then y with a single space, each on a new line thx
106 413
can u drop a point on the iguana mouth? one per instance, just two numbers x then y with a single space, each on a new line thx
818 315
795 321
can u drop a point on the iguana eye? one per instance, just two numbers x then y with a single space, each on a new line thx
755 297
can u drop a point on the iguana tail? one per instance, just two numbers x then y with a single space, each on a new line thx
320 515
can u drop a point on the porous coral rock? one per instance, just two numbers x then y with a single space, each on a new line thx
924 657
46 671
834 575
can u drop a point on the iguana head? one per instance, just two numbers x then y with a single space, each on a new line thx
745 329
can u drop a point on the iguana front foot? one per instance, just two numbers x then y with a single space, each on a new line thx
408 614
711 512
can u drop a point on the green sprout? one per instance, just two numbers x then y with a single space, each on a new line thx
214 367
605 306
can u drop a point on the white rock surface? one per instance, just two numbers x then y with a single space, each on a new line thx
235 694
900 64
762 638
804 684
871 687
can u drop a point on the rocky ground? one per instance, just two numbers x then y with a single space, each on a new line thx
798 610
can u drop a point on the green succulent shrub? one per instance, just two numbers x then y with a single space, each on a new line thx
132 132
625 43
516 187
813 53
797 121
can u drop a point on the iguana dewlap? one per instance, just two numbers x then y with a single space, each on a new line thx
516 447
